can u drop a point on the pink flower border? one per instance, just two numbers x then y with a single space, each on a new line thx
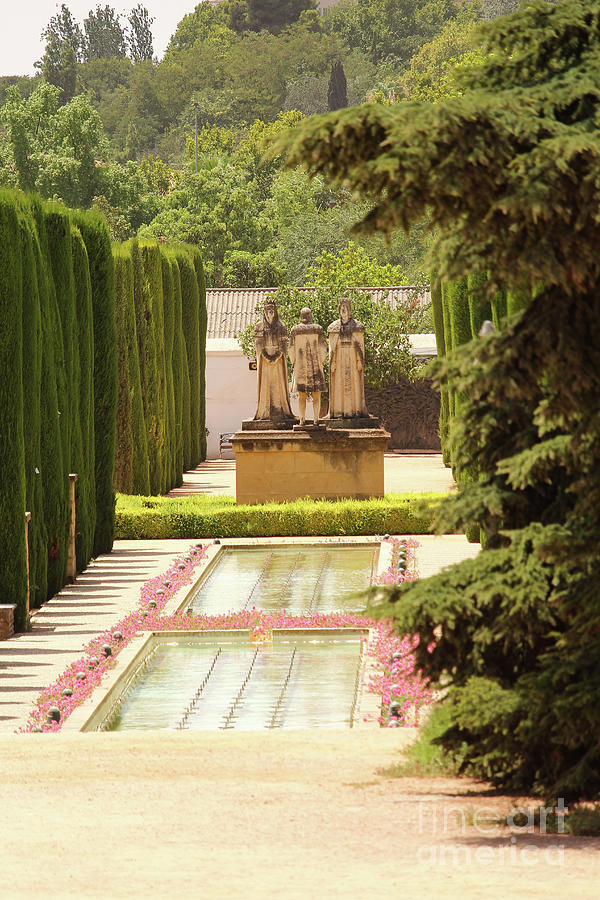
392 676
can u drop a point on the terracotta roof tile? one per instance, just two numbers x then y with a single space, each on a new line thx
230 310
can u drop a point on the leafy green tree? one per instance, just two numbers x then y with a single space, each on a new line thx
242 78
62 29
25 123
63 50
139 34
52 149
383 28
102 77
251 270
494 8
59 67
206 23
307 94
104 36
128 190
273 15
434 71
216 210
308 218
353 267
511 173
77 139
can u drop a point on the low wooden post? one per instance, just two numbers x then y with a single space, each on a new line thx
72 560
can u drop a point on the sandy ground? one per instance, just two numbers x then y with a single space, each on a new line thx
202 815
291 815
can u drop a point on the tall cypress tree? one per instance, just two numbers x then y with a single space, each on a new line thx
480 309
52 469
148 304
440 340
32 387
13 559
96 237
129 380
179 363
446 455
154 277
190 315
202 329
84 334
337 96
55 443
58 231
123 475
169 321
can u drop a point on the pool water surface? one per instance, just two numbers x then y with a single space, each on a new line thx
225 681
301 578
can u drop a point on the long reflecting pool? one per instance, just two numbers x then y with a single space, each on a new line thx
224 681
301 578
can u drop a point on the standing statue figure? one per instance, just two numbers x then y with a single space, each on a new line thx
271 340
346 365
308 351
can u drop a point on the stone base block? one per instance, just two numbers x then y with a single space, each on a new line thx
263 425
7 620
356 423
321 464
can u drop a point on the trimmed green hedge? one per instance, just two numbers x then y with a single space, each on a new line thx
159 518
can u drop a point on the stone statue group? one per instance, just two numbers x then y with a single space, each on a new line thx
306 346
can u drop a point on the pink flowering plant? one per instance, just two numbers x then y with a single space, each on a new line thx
403 564
392 674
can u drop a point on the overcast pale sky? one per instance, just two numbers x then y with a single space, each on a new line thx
22 22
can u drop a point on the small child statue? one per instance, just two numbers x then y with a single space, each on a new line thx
308 352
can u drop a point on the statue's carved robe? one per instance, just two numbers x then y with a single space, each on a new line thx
271 352
308 351
346 370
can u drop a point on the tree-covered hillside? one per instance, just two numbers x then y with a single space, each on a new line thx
107 124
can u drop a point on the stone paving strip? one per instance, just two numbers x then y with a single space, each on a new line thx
107 590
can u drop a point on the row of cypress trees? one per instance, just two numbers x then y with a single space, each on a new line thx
102 368
459 310
161 328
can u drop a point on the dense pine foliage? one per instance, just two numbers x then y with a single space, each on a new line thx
510 172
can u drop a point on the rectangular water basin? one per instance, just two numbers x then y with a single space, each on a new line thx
224 680
299 578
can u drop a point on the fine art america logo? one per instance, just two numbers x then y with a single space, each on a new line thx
479 836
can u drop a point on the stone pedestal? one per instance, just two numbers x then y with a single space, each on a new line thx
309 462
